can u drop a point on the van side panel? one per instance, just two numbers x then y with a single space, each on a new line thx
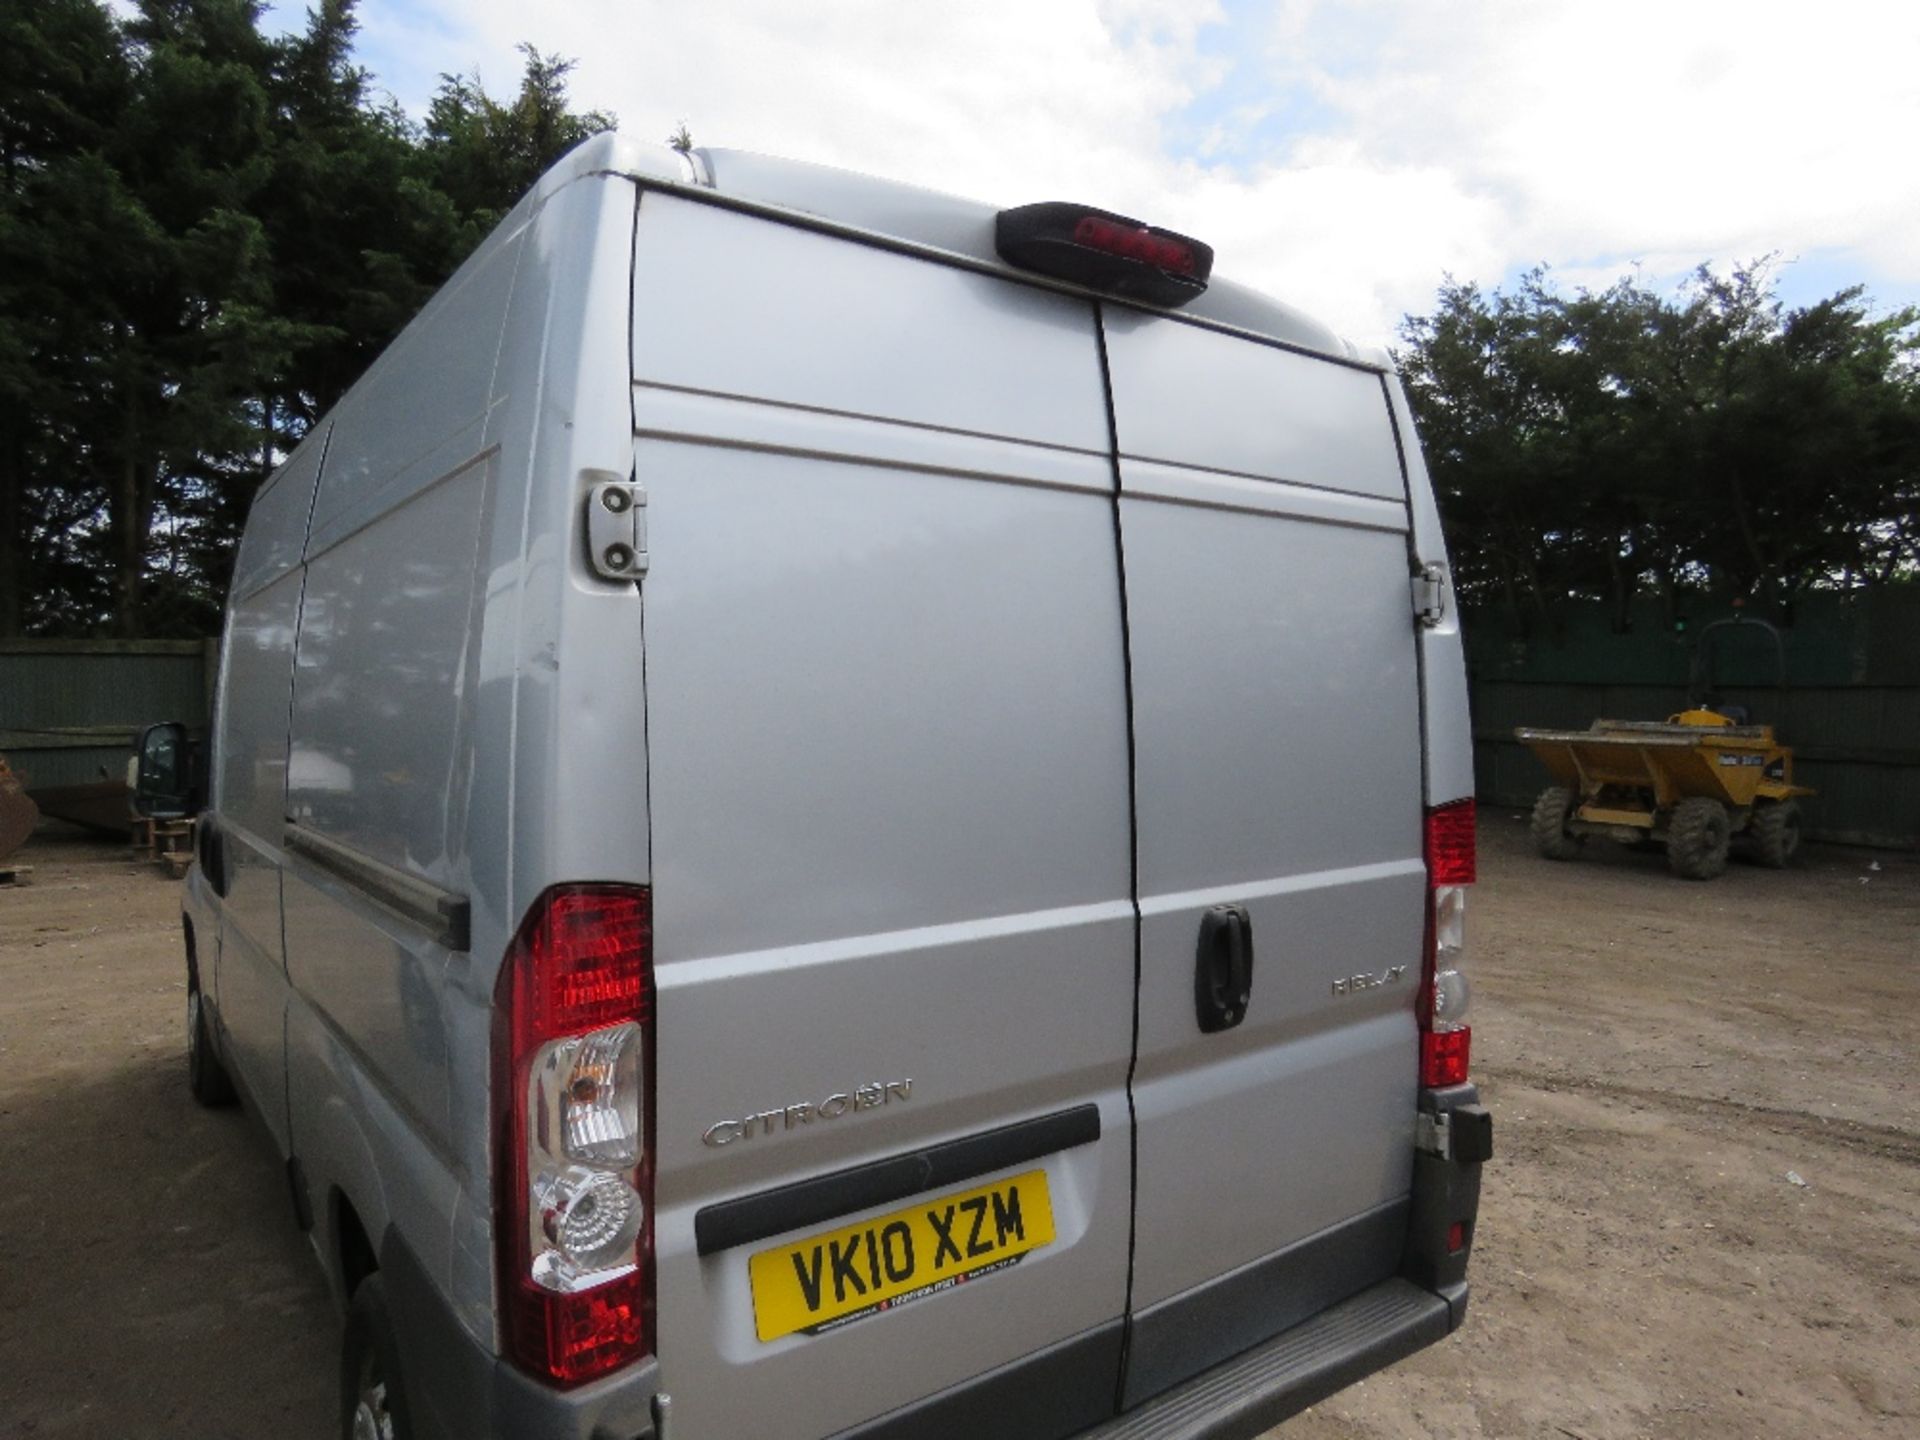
250 781
1276 721
382 753
888 778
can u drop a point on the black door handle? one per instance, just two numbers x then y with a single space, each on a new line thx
1223 971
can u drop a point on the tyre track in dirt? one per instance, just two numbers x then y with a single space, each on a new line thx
1884 1142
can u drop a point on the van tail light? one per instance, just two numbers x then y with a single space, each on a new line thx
573 1133
1445 1036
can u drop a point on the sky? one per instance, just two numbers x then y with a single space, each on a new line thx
1343 156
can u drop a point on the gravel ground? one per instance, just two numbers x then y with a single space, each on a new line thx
1703 1218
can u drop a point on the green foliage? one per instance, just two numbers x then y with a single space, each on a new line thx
486 153
1611 444
205 235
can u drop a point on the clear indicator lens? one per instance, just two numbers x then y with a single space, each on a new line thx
583 1143
1449 922
591 1218
585 1097
1451 998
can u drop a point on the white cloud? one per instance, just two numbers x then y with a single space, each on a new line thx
1462 137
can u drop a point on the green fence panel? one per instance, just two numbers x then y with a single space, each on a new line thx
70 709
1850 709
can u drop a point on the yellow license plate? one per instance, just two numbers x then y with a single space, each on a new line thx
832 1280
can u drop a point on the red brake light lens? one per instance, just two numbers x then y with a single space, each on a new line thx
1450 849
584 952
1135 243
572 1097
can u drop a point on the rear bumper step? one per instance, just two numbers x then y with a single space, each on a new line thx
1255 1391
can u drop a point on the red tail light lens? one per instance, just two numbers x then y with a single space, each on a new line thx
1450 844
1445 1037
573 1060
1443 1058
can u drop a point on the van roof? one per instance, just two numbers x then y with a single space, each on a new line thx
907 215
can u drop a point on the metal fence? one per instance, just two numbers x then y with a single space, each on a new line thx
70 709
1850 710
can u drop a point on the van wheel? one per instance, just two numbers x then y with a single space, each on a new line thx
1775 829
373 1405
1698 838
1551 812
207 1078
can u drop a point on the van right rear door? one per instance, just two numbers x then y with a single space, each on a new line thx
1276 718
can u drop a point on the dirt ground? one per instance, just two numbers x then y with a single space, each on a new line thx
1703 1218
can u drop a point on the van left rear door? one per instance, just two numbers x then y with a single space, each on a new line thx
887 772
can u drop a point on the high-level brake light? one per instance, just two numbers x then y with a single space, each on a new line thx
1135 242
573 1051
1104 251
1445 1037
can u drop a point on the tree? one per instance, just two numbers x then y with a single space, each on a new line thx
484 154
64 80
1602 444
205 235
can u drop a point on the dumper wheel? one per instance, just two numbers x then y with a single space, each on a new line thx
1698 837
1549 824
1775 829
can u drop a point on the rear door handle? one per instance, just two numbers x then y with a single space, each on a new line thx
1223 968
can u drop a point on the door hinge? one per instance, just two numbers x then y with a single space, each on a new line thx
1430 595
617 530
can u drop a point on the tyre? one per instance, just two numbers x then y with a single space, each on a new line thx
1551 812
207 1078
1775 829
373 1405
1698 837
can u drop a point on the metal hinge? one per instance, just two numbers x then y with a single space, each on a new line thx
617 530
1430 595
1433 1134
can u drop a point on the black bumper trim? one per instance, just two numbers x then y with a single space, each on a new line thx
1248 1396
1191 1333
827 1197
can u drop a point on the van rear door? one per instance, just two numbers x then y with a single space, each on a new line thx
1278 776
887 777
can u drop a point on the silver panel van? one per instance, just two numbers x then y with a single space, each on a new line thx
840 813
